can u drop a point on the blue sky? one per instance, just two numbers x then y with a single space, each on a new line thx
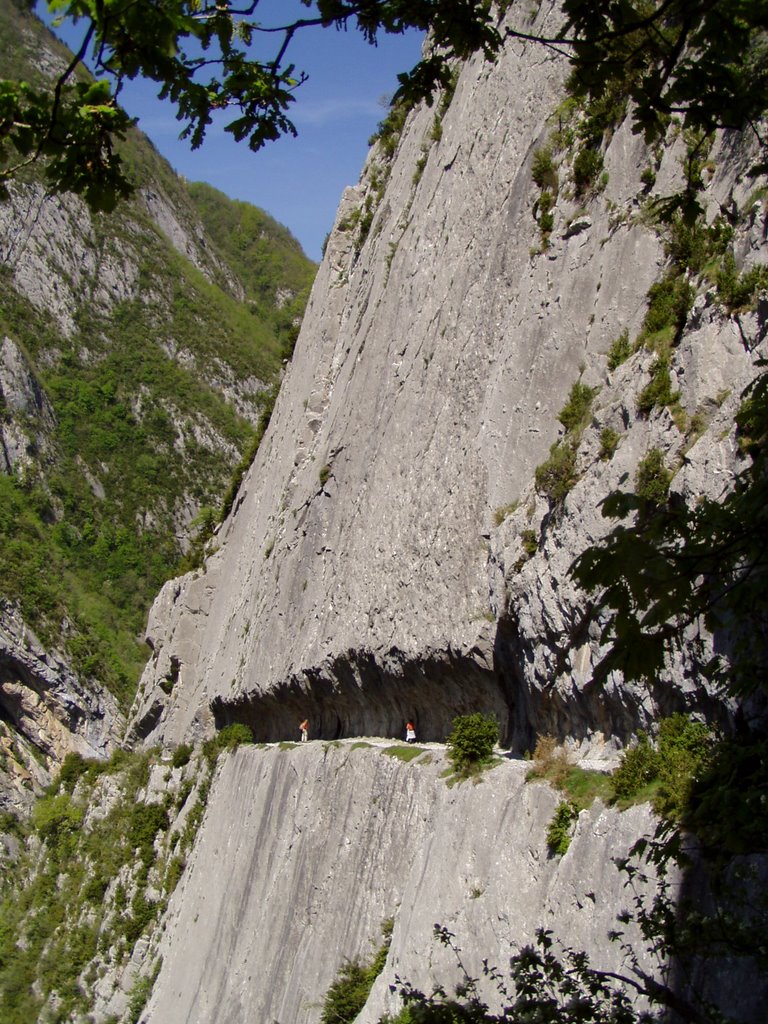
298 181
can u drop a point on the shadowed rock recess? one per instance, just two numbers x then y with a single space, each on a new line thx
377 564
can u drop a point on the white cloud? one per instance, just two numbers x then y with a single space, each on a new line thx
317 114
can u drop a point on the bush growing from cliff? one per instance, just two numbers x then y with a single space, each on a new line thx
390 128
668 770
559 830
72 768
348 994
145 822
530 541
471 742
639 766
587 165
609 442
663 772
620 351
658 391
10 825
556 477
575 414
652 479
545 205
669 302
550 762
228 738
737 291
685 751
181 755
544 171
233 735
140 993
57 819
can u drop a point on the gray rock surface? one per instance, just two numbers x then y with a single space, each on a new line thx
29 419
58 253
371 568
50 711
303 853
188 238
66 272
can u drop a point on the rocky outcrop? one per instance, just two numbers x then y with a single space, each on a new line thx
50 712
186 234
27 419
304 853
132 376
373 568
389 557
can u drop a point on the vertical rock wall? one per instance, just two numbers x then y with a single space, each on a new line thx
303 854
373 568
45 713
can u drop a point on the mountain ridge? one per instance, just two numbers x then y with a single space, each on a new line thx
136 371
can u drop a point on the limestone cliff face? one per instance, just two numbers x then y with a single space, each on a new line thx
304 853
132 376
46 713
61 260
372 568
22 395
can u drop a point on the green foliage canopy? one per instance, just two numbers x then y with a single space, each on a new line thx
202 58
674 566
704 61
679 758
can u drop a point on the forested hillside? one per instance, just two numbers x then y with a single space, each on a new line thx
267 258
140 352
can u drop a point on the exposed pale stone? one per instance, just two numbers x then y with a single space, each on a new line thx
52 712
28 420
304 853
189 239
362 577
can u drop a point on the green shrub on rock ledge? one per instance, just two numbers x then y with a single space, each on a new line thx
349 991
228 738
652 479
557 476
559 830
638 768
668 771
471 743
620 351
575 414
